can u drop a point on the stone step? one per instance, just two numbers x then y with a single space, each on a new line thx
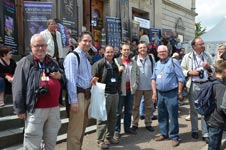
7 110
60 138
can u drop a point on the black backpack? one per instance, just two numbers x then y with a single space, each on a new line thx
205 101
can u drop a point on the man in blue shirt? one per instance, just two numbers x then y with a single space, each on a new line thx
79 78
167 86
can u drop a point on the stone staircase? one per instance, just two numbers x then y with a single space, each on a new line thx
11 127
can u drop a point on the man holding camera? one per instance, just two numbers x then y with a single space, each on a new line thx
197 65
36 92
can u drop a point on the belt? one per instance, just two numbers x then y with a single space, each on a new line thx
81 90
167 91
200 82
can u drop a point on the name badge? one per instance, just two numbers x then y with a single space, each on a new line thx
113 80
44 77
159 76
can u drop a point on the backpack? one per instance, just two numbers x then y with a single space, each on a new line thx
205 101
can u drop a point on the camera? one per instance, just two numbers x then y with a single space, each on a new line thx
41 91
201 74
52 68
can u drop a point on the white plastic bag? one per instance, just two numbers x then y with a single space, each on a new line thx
97 108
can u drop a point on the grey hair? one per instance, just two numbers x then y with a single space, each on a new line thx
35 36
162 47
50 21
222 45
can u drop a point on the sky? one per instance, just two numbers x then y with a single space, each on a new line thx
210 12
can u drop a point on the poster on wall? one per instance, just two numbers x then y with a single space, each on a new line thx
167 32
135 29
9 24
69 15
125 22
36 15
1 23
155 34
113 31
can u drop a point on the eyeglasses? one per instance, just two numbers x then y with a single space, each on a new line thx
40 46
161 51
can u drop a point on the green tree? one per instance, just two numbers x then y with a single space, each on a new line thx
199 30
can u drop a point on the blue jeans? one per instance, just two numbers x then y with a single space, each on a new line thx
127 102
142 110
168 109
215 136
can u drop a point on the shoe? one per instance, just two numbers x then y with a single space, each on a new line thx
150 128
111 141
160 138
154 117
102 145
142 117
188 118
116 136
195 135
134 128
131 131
1 105
206 139
175 143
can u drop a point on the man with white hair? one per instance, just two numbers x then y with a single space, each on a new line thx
167 86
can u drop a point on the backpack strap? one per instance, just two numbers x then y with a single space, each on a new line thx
150 58
75 53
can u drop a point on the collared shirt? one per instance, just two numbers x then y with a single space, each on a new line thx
197 65
145 68
167 75
77 76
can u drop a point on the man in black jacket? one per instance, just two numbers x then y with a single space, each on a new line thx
107 72
216 121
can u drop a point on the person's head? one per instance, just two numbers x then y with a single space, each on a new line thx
176 56
182 51
85 40
142 48
221 49
52 26
38 46
162 52
198 45
125 50
116 51
6 52
220 69
109 53
101 50
134 42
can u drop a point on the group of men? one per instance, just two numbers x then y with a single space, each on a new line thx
38 81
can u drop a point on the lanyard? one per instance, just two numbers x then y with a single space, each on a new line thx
198 64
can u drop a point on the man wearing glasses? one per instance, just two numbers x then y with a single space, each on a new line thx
197 65
167 86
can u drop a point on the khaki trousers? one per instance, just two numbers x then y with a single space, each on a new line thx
77 124
147 106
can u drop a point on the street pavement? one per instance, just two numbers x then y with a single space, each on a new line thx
144 140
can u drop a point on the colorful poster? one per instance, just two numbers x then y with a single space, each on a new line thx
125 22
36 15
9 24
69 15
155 34
113 31
135 28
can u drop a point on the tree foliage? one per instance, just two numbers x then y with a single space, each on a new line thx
199 30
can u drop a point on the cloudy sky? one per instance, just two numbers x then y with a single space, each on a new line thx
210 12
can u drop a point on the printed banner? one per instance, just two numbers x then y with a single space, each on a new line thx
125 23
8 23
155 34
36 15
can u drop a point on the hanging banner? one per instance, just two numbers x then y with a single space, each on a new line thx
155 34
1 23
36 15
9 23
113 31
69 15
135 28
125 23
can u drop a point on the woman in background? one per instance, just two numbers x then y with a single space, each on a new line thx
7 68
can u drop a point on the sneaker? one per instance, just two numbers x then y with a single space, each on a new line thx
154 117
188 118
2 104
206 139
175 143
131 131
117 136
195 135
150 128
111 141
102 145
160 138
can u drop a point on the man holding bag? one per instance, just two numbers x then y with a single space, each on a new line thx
107 72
